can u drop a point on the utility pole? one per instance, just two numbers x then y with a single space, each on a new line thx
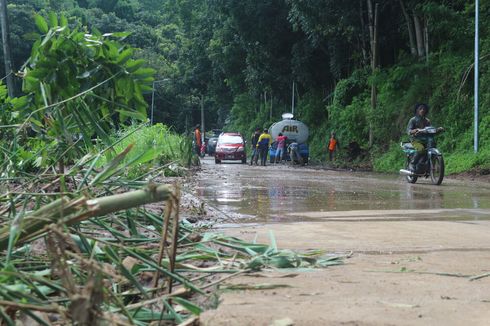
202 119
292 101
475 135
152 101
6 47
271 105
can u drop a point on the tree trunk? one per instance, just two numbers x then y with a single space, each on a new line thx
6 47
419 35
373 35
363 29
426 39
413 45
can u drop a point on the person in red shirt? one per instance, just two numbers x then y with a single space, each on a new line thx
333 146
281 145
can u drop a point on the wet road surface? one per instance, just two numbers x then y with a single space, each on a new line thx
413 246
284 193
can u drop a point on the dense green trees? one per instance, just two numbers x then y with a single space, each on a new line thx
359 66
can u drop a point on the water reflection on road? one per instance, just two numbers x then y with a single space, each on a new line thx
285 193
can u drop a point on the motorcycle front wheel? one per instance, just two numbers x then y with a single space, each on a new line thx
436 169
410 178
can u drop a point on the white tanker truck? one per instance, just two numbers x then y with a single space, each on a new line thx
296 131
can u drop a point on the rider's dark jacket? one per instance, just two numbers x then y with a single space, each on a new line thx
418 122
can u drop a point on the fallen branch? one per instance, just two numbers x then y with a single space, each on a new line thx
477 277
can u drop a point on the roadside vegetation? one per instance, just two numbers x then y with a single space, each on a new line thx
239 61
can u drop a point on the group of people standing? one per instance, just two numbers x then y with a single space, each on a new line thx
261 142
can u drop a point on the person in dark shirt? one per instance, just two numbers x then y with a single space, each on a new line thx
263 145
420 141
255 152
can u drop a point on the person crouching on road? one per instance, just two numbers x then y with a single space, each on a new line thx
281 144
293 150
255 150
263 146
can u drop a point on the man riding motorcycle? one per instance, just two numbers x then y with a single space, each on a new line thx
420 141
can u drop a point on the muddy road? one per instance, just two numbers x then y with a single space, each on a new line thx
415 248
282 193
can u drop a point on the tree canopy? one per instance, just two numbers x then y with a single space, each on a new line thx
242 57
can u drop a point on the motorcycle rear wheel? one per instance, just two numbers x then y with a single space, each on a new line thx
410 178
436 169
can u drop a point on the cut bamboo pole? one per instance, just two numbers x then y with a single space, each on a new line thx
79 209
163 241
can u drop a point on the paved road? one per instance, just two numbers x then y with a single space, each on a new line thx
414 247
282 193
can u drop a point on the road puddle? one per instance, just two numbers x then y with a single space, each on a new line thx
288 194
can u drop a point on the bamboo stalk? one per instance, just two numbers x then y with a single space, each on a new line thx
175 236
163 240
191 321
477 277
63 209
140 304
23 306
104 205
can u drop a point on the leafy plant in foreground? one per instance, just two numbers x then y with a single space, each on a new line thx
82 86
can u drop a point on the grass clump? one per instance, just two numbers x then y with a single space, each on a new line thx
155 145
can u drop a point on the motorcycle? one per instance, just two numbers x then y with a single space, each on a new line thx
431 164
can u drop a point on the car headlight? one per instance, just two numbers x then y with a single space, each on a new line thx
240 149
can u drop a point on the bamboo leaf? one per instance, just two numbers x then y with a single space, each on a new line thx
178 319
63 21
111 166
124 56
41 24
191 307
6 318
273 241
141 116
126 273
53 20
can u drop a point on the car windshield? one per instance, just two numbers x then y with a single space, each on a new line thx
227 139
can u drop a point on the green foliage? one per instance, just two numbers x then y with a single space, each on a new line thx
224 49
391 161
12 155
153 145
248 114
348 114
82 85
